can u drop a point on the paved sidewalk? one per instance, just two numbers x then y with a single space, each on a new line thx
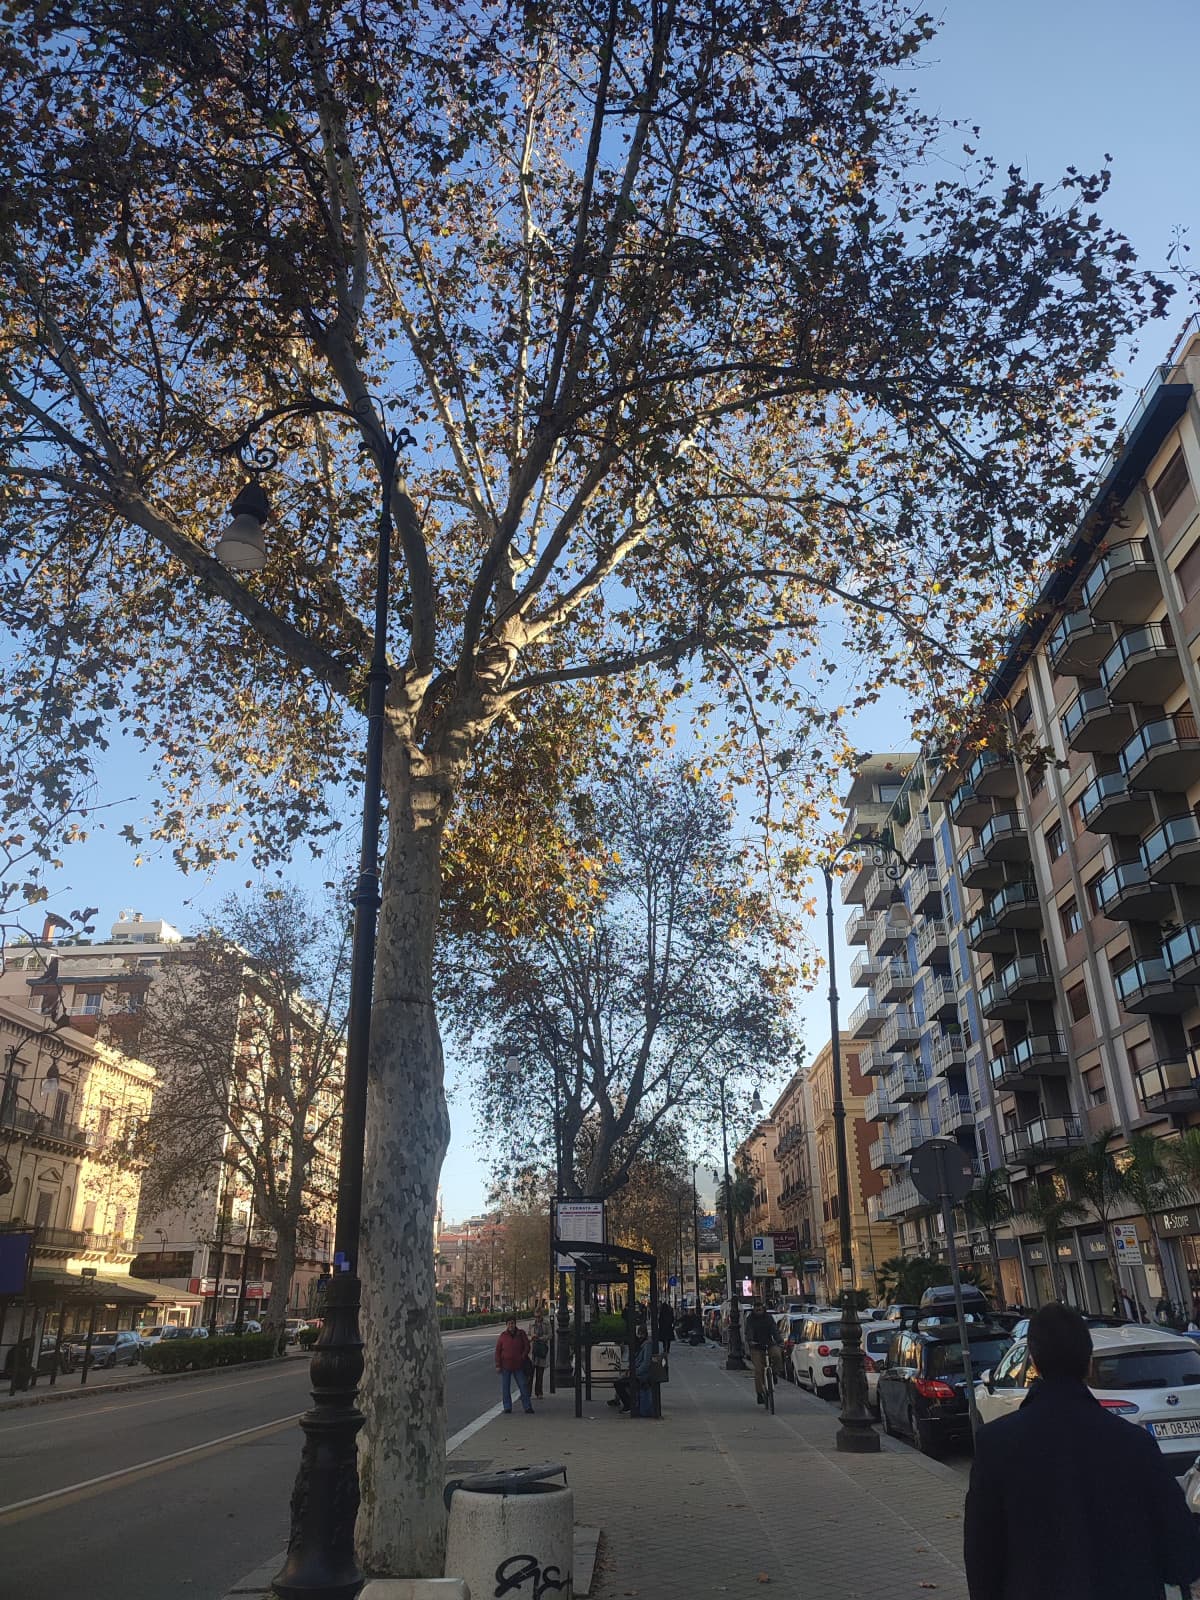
719 1499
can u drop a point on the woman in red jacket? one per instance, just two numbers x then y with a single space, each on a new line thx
512 1352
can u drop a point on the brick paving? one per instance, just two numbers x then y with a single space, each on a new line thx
721 1499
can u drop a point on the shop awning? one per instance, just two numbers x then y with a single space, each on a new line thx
58 1288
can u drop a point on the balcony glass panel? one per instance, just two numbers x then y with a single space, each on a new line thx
1145 974
1175 831
1081 708
1109 786
1004 825
1126 875
1164 733
1038 1044
1012 896
1132 553
1152 637
1183 948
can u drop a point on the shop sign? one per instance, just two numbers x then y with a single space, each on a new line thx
1185 1219
1129 1251
1095 1246
981 1252
1035 1254
1066 1252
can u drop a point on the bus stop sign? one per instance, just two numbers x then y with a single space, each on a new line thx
940 1167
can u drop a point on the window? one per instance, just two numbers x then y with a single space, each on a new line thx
1055 842
1187 573
1092 889
1146 1369
1094 1087
1077 1000
1037 779
1170 483
1072 922
1023 709
91 1004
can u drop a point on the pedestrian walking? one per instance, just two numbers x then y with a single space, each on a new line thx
1067 1501
765 1342
512 1352
539 1352
666 1327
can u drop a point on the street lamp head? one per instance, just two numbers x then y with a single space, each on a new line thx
756 1104
242 547
512 1065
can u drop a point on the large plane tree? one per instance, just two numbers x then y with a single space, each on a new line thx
725 363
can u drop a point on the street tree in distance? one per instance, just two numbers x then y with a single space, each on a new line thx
622 1012
246 1029
719 353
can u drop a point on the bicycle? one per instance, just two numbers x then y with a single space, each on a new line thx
769 1381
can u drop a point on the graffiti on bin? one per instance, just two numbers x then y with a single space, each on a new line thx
517 1571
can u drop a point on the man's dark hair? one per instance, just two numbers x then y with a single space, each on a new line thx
1059 1342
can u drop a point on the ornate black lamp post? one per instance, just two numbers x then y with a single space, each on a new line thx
856 1433
320 1561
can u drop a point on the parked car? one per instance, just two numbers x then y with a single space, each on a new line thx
902 1315
200 1332
152 1335
1151 1376
292 1328
1020 1326
921 1388
877 1337
937 1305
112 1348
790 1324
248 1326
815 1346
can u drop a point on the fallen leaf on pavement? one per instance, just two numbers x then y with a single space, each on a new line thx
763 1577
927 1586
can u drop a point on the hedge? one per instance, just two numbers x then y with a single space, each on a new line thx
479 1319
227 1350
307 1337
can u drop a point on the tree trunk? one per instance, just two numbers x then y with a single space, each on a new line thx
998 1285
281 1279
401 1525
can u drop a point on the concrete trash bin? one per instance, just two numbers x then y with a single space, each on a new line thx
512 1534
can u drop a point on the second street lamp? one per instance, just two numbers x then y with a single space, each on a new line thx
735 1361
320 1562
856 1434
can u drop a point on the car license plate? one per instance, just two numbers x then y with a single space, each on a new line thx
1175 1430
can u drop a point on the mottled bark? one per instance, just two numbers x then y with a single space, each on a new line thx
281 1277
401 1526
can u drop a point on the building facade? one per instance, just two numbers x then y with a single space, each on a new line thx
799 1199
212 1244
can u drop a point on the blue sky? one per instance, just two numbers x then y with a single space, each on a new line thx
1050 83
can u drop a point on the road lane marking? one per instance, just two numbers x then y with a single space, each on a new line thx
143 1466
462 1360
460 1438
71 1415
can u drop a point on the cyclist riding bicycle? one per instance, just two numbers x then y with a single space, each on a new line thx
765 1344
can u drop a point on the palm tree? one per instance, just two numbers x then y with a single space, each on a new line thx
1152 1181
1096 1177
1049 1210
989 1206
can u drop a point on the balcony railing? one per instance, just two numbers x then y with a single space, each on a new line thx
1142 665
858 927
1109 805
922 883
932 935
949 1051
1164 754
1079 644
1128 891
867 1017
889 935
1148 985
1123 583
1016 905
18 1120
907 1082
883 1153
1004 836
938 998
909 1133
1026 973
900 1199
901 1028
976 871
1042 1138
1169 1085
880 1106
954 1110
918 831
1182 954
864 970
1171 853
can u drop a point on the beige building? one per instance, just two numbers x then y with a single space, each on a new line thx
197 1247
799 1199
70 1111
871 1241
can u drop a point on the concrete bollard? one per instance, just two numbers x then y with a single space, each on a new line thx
511 1535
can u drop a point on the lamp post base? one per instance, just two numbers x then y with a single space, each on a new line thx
857 1439
856 1432
320 1561
735 1363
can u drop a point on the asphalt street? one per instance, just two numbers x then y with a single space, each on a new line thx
180 1488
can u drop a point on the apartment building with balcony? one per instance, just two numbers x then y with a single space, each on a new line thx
101 988
799 1200
755 1157
1077 846
872 1239
70 1112
924 1063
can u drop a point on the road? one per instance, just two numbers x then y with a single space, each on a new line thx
179 1488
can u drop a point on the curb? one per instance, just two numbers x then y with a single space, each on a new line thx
82 1392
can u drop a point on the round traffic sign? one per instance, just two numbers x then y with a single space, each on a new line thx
940 1167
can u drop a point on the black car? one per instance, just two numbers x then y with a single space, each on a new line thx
922 1391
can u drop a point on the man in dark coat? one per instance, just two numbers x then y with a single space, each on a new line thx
1067 1501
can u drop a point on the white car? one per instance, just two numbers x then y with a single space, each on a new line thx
1150 1376
816 1344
